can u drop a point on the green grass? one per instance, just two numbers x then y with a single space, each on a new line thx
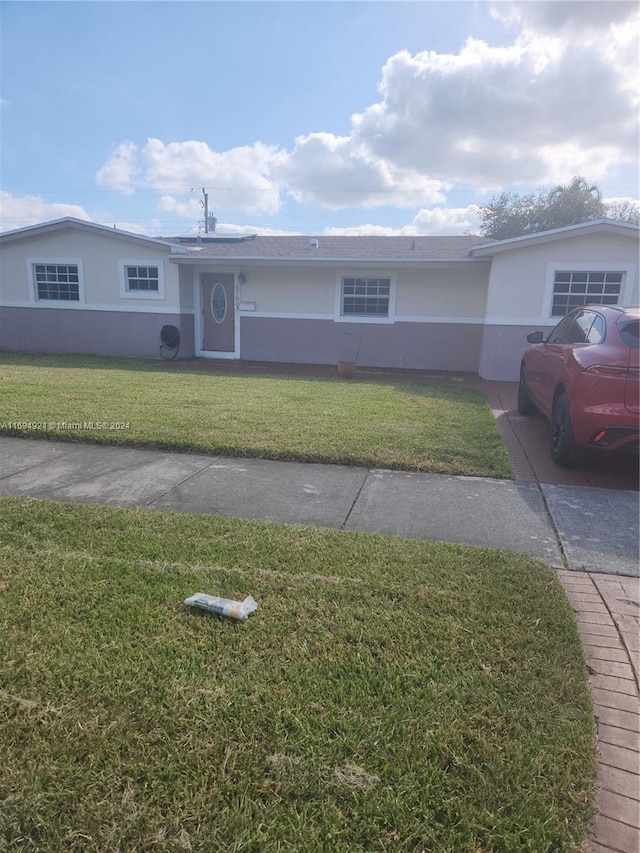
390 425
388 695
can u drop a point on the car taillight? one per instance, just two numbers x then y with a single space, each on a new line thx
608 370
609 435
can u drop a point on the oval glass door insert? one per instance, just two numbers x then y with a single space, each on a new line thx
218 303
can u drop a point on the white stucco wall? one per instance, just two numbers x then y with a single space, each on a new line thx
186 287
446 291
100 256
520 279
428 292
521 285
298 291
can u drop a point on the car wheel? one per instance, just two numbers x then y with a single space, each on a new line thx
563 446
525 406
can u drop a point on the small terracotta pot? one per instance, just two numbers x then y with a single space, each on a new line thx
346 369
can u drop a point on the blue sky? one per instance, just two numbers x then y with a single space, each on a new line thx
311 117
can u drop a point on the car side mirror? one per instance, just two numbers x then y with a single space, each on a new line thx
535 337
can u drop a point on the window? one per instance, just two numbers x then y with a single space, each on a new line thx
594 327
571 289
585 327
565 332
630 333
60 282
365 297
218 303
142 279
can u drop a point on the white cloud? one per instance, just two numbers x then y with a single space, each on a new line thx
561 99
435 221
448 220
120 170
334 172
566 17
190 209
238 178
492 116
368 231
20 211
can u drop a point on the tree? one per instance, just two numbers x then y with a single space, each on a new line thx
576 202
624 211
508 215
512 215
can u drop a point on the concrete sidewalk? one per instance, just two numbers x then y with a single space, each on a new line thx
573 527
589 535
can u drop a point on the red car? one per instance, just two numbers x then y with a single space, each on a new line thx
585 378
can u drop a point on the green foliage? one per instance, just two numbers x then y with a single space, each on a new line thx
389 425
388 695
624 211
513 215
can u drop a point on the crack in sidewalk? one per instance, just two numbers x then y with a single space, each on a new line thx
355 500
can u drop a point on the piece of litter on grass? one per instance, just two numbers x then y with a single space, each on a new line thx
236 610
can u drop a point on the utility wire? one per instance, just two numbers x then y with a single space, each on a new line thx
318 191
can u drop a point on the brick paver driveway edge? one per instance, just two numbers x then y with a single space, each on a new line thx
608 612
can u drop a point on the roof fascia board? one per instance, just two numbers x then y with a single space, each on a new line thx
255 260
82 225
548 236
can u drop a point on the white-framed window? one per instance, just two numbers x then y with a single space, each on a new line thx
56 280
572 288
365 297
142 279
572 285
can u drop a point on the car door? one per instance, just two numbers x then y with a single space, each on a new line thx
557 351
542 360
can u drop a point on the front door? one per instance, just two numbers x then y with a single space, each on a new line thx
218 312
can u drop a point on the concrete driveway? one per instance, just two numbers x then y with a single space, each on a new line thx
528 439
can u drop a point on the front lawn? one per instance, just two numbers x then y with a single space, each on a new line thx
145 404
387 695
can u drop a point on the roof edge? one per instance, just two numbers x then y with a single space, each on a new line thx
83 224
498 245
334 260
